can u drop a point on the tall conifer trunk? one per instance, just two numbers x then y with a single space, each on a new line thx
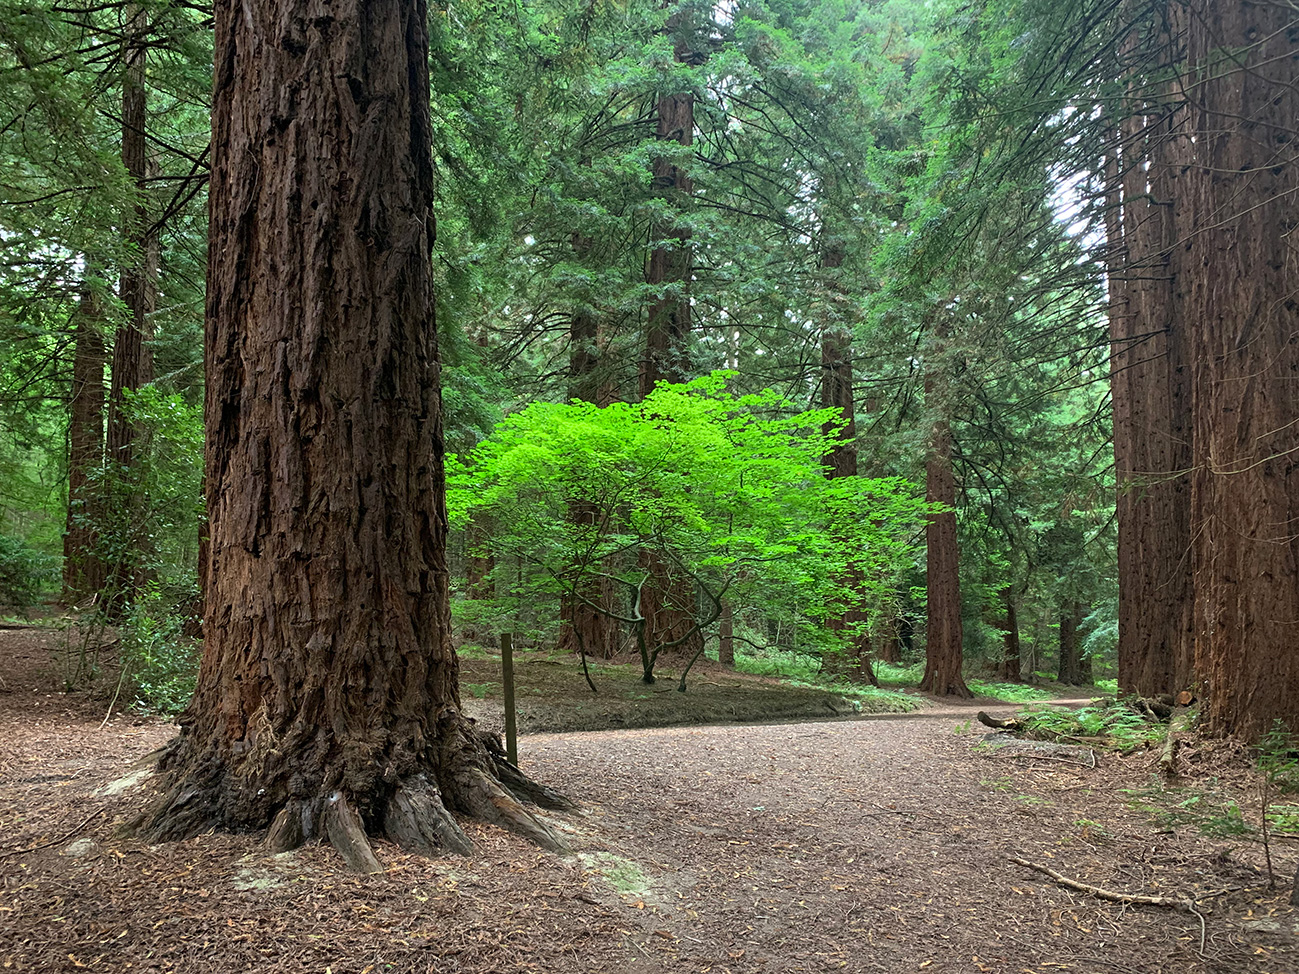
132 360
944 632
1242 313
1150 383
668 598
328 700
837 393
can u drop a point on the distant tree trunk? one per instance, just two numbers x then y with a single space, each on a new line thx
837 393
83 569
132 361
1242 309
726 636
583 627
1150 391
328 700
1071 661
944 634
668 599
888 645
479 584
1008 668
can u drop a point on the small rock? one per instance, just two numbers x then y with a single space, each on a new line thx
79 848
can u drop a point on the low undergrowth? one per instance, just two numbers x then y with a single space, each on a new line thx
1112 726
1009 692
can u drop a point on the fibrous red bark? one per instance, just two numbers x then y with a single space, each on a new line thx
1150 386
1242 313
327 701
944 632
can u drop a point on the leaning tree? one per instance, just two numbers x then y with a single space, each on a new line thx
328 701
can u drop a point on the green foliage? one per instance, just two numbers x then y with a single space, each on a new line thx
893 675
727 490
159 665
1114 726
1009 692
153 506
25 572
1208 808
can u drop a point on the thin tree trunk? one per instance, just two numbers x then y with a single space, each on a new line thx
726 636
132 361
1008 668
1242 190
83 568
328 699
1071 669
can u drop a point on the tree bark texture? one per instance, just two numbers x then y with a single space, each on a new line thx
327 701
1009 667
667 328
1071 662
1150 386
132 360
83 569
944 634
726 636
1243 317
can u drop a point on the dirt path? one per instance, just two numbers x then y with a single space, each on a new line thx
867 845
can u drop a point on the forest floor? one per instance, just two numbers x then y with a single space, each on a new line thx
872 843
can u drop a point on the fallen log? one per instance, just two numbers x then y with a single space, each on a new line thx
1006 723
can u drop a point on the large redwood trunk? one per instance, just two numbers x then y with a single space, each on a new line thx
1150 389
327 701
668 600
1242 313
83 569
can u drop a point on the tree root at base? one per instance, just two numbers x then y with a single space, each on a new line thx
478 781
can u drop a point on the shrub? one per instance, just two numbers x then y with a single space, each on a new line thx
24 572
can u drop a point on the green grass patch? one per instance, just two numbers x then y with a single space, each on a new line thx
894 675
1108 686
1009 692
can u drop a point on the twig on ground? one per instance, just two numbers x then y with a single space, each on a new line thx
62 838
1048 757
1106 894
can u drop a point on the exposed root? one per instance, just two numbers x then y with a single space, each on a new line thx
466 772
288 832
417 819
483 798
347 834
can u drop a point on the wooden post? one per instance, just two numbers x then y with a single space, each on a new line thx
507 678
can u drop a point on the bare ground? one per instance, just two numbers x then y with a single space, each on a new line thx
878 844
